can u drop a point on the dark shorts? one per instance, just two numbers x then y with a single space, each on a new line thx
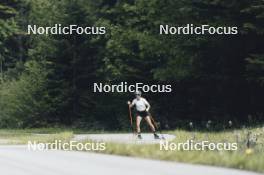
142 114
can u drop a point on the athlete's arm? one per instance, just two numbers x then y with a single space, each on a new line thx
131 104
147 105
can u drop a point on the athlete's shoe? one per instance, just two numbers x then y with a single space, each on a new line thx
156 136
139 136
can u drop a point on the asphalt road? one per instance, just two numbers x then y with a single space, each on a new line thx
18 160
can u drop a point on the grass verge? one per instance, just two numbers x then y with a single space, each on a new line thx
16 137
243 158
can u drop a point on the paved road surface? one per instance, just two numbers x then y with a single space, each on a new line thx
17 160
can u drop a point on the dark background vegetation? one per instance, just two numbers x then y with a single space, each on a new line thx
46 80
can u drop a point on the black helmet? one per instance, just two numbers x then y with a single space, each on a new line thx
138 93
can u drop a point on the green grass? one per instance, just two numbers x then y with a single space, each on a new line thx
44 135
234 159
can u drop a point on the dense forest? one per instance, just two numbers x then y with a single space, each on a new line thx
46 79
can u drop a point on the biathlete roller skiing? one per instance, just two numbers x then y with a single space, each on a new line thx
142 111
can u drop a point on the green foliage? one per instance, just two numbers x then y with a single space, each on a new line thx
255 68
9 31
216 75
7 8
22 101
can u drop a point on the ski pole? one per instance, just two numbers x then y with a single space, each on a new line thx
130 117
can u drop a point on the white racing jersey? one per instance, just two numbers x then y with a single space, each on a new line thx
141 104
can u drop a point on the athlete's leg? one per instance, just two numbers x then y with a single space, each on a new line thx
150 123
147 118
138 121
